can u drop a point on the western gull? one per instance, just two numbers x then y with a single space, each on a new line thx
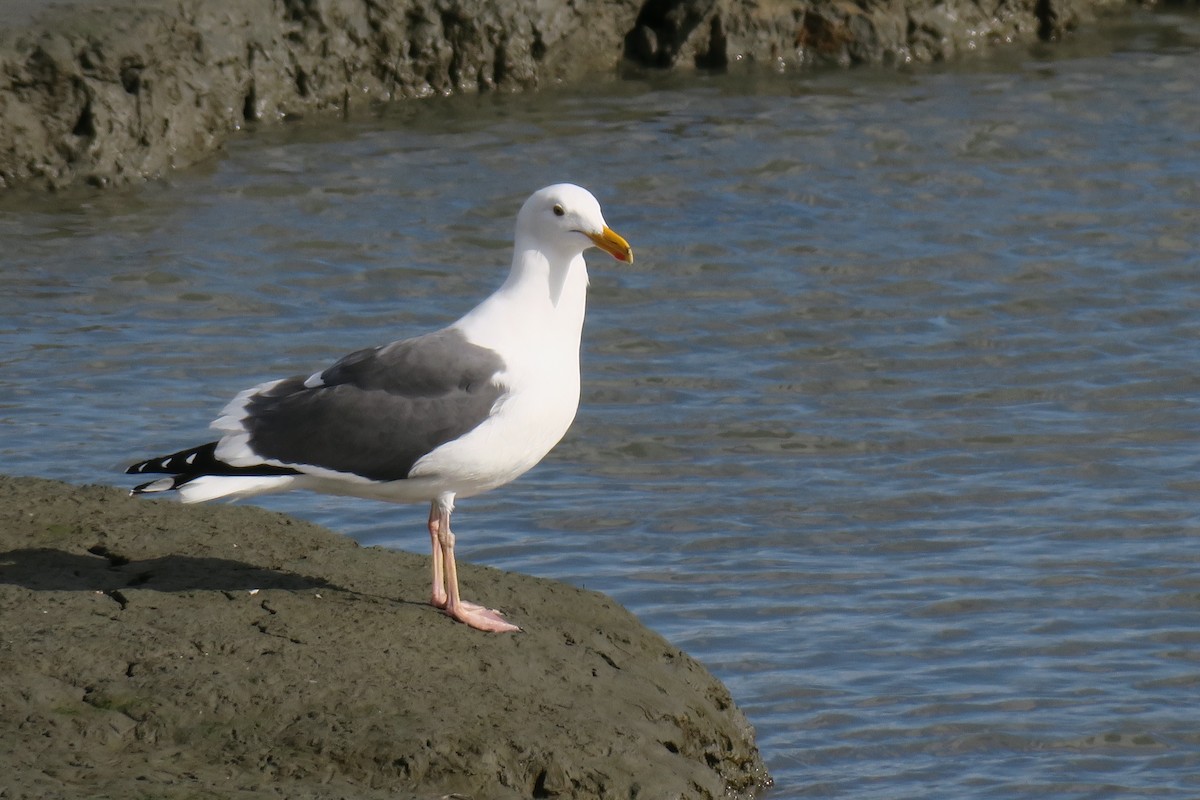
437 417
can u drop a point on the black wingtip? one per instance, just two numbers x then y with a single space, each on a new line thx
191 461
195 462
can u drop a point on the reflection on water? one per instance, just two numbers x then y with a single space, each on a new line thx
894 423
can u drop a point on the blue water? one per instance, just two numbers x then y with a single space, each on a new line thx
894 424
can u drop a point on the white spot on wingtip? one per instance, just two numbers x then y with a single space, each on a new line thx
191 459
314 381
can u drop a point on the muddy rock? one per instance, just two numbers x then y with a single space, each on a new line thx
112 92
157 650
102 93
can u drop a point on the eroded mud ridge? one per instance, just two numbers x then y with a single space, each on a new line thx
108 93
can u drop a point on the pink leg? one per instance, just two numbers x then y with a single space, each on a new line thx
446 571
438 597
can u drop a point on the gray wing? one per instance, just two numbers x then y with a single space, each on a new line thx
376 412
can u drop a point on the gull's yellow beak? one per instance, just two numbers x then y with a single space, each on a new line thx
611 242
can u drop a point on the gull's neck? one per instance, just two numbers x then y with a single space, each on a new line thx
541 302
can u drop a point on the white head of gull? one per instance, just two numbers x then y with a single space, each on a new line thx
445 415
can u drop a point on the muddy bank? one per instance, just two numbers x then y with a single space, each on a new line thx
99 93
152 649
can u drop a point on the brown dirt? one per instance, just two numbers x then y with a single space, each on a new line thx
155 650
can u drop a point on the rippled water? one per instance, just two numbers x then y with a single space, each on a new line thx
895 423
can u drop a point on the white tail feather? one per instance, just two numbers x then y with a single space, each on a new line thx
211 487
160 485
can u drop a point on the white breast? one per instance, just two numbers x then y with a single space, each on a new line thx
525 425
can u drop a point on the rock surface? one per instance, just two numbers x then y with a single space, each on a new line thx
788 34
112 92
156 650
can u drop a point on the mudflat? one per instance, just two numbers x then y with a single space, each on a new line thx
153 649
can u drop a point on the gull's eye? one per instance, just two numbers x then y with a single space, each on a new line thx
558 210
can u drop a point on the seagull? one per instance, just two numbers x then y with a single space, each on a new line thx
433 418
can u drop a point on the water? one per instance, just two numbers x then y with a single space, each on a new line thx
894 423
